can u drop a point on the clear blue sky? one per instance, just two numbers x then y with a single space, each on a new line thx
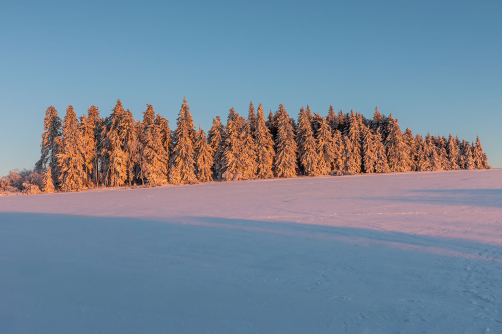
435 65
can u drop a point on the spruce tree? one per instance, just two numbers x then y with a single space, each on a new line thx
397 151
234 164
351 164
70 160
453 153
332 119
251 118
216 140
51 144
154 158
409 140
339 149
88 149
370 150
325 147
381 165
423 162
264 147
353 133
307 145
47 185
113 158
285 164
203 157
183 162
480 161
248 153
97 123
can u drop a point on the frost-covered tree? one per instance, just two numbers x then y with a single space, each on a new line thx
370 150
154 158
453 153
183 159
234 164
216 138
113 158
248 152
332 119
48 185
480 160
285 163
397 151
252 118
87 147
409 140
70 160
203 157
265 152
325 147
353 145
339 149
381 165
351 164
307 145
51 144
96 122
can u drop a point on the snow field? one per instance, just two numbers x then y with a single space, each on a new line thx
393 253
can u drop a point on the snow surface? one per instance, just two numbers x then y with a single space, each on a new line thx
393 253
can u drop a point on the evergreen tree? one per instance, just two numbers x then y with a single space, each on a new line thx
88 149
422 163
183 163
165 135
370 151
377 120
381 165
51 144
203 157
453 153
96 122
113 158
154 158
251 118
217 142
351 164
248 153
47 185
332 119
285 164
480 161
325 147
234 164
354 136
409 140
70 160
397 151
264 147
307 146
339 149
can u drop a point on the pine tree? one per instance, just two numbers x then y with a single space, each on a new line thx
47 185
307 145
154 158
70 160
453 153
332 119
325 147
480 161
248 152
87 147
251 118
113 158
96 122
377 120
234 164
409 140
51 144
370 151
351 164
339 149
397 151
422 163
353 133
203 157
381 165
264 147
285 164
216 141
183 163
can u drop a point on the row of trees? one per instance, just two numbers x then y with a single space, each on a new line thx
115 151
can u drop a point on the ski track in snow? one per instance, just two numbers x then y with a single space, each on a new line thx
390 253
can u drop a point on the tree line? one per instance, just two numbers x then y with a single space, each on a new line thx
87 152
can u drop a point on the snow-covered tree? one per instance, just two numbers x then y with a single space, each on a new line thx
216 138
480 160
252 118
370 150
234 164
381 165
183 159
48 185
248 152
353 144
325 147
264 147
339 149
307 145
409 140
453 153
203 157
70 160
285 163
51 144
154 158
397 151
332 119
96 122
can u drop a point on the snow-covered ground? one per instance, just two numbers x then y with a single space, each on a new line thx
394 253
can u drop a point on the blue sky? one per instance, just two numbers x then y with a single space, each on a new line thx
435 65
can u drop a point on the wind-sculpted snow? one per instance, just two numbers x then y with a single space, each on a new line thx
389 253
